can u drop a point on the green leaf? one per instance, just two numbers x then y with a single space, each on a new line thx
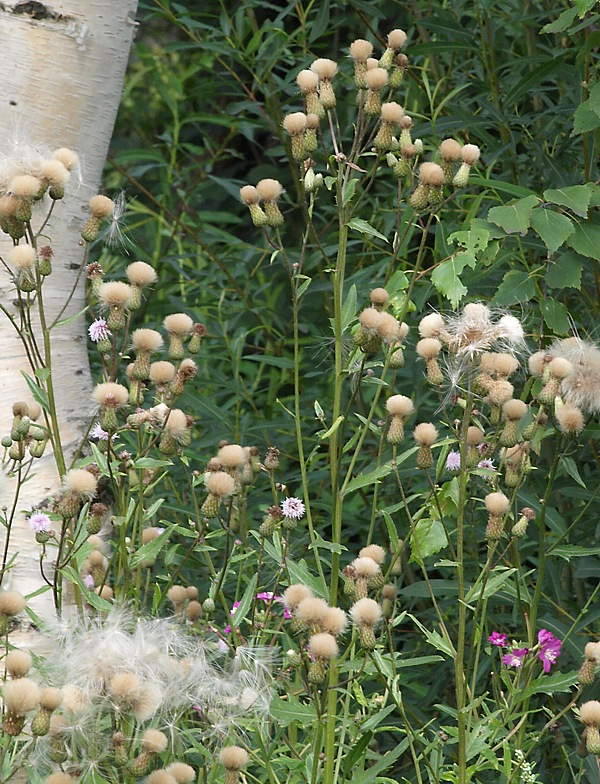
68 319
320 22
498 185
551 684
552 227
245 602
570 466
369 776
90 596
370 478
151 462
445 276
564 20
492 586
575 197
515 217
149 551
356 752
349 308
428 537
516 286
38 393
568 551
332 429
365 228
267 359
565 271
585 119
555 315
586 239
473 240
286 711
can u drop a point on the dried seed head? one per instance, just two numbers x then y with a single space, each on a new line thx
67 157
361 50
81 482
365 612
154 741
179 324
307 81
388 327
379 297
296 593
101 206
399 405
431 325
323 646
396 39
161 777
425 434
141 274
111 395
54 172
162 372
374 551
570 419
231 456
365 567
177 422
370 319
505 364
589 712
431 174
499 392
50 698
470 153
312 609
24 186
376 78
294 123
334 621
18 663
514 409
560 367
220 483
21 696
450 150
537 363
147 340
497 504
59 778
475 435
115 293
22 256
428 348
233 757
177 594
182 773
269 189
392 112
249 195
324 68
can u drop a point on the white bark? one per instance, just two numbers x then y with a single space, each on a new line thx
63 75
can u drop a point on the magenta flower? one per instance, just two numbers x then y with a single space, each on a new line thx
267 596
487 463
549 648
453 461
496 638
293 507
98 330
40 523
515 657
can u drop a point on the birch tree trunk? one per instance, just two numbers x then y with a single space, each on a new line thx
64 65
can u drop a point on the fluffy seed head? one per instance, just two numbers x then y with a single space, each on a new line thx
376 78
499 392
21 696
399 405
307 81
361 50
80 481
428 348
475 435
115 293
370 318
22 256
391 112
497 504
589 712
537 363
323 646
234 757
570 419
312 121
147 340
450 150
161 777
154 741
111 395
8 206
592 651
294 123
379 297
101 206
431 173
334 621
560 367
470 153
514 409
249 194
177 422
182 773
396 39
389 591
388 327
54 172
50 698
18 663
431 325
582 387
59 778
425 434
162 372
403 332
374 551
293 595
505 364
269 189
124 687
365 612
312 609
140 274
67 157
231 456
365 567
25 186
177 594
178 324
220 483
324 68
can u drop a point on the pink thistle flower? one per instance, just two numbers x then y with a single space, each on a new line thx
453 461
98 330
487 463
515 657
40 523
88 581
293 507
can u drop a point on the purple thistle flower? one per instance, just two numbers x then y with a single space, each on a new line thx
453 461
100 434
293 507
266 596
496 638
98 330
40 523
88 581
515 657
487 463
549 649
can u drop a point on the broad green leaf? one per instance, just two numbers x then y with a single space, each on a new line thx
568 551
562 23
551 684
472 240
149 551
586 239
371 478
492 586
445 276
516 287
499 185
286 711
555 315
332 429
515 217
575 197
565 271
552 227
365 228
585 119
245 602
90 596
428 537
398 282
151 462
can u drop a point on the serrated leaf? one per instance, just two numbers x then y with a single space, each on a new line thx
565 271
473 240
148 552
575 197
370 478
552 227
516 287
365 228
586 239
291 709
551 684
445 276
555 315
427 538
515 217
585 119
